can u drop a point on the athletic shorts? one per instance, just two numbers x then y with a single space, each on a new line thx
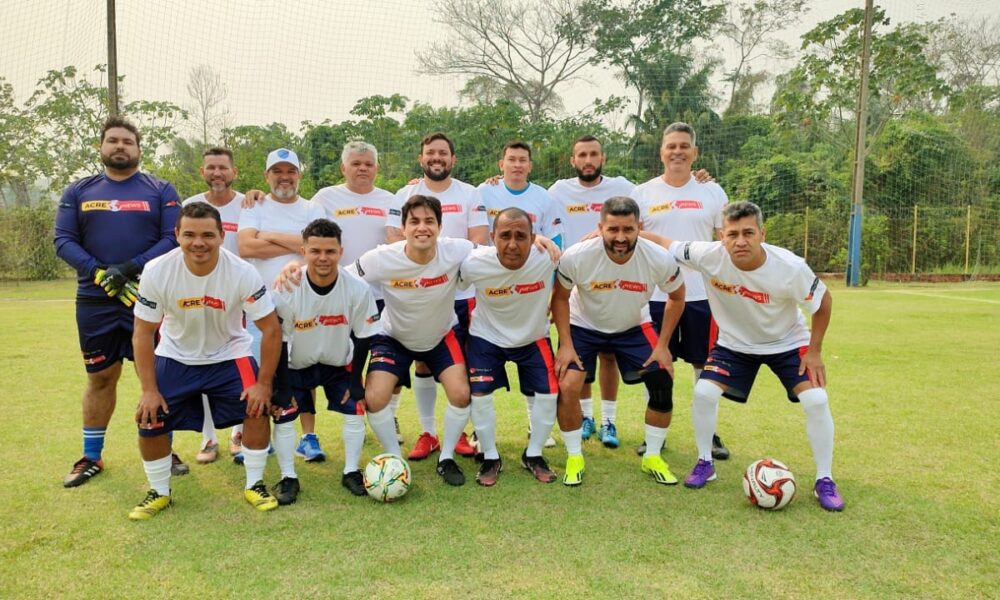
335 381
487 367
737 370
105 330
389 355
693 335
463 310
183 385
631 347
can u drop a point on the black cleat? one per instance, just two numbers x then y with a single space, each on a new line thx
177 466
82 471
538 467
719 450
354 483
286 491
449 470
489 472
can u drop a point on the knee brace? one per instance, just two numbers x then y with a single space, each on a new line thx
813 397
661 391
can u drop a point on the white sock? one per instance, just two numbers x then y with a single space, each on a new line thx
484 420
574 442
236 432
254 462
284 437
819 428
394 404
385 430
529 402
608 411
158 474
354 439
454 423
655 438
587 406
207 426
425 393
543 417
704 415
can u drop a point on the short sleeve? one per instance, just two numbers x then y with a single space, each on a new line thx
283 306
477 211
674 278
250 218
366 267
257 302
808 288
566 273
394 216
364 313
149 304
691 254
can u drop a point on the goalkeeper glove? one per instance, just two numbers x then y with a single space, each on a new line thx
129 293
114 277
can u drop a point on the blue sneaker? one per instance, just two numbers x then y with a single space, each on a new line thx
238 457
309 448
589 428
609 435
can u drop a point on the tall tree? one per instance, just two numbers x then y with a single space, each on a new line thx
208 95
18 148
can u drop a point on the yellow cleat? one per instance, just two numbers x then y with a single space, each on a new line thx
659 469
147 509
574 470
259 498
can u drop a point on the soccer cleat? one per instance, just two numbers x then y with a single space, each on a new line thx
147 509
588 428
177 466
827 494
719 450
538 467
574 470
702 473
209 452
659 469
426 444
609 435
236 444
489 472
309 449
449 470
550 442
82 471
286 490
259 498
463 447
399 436
354 482
641 449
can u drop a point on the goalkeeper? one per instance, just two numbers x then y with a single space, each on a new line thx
108 226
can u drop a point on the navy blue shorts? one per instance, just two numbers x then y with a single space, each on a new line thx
335 381
693 335
737 371
105 329
183 385
535 367
389 355
463 310
631 347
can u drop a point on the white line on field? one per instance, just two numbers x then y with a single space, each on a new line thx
945 296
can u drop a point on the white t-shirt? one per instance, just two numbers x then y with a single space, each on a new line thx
230 214
582 205
691 212
319 327
418 298
271 215
511 306
757 311
609 297
202 317
546 217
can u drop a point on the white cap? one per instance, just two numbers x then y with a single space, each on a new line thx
283 155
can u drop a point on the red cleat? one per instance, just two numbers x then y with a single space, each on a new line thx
463 447
426 444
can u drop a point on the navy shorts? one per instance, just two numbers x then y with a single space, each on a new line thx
693 335
182 386
335 381
535 367
389 355
631 347
105 329
737 371
463 310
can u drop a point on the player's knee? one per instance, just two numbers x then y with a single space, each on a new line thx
661 391
813 397
706 391
104 380
375 402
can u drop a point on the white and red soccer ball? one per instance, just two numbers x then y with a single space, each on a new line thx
769 484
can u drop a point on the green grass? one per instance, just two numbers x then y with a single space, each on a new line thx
914 389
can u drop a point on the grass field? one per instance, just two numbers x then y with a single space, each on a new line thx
915 392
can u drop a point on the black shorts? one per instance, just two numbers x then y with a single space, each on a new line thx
693 335
105 329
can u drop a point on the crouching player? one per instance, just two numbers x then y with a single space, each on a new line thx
196 295
318 319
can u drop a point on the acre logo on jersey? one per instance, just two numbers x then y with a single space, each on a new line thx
321 321
422 282
451 208
618 284
116 205
741 291
201 302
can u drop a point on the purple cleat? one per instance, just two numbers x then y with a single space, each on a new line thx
702 473
826 492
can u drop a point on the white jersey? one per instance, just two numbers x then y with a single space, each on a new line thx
201 318
757 311
691 212
318 327
545 215
581 206
418 298
512 307
271 215
609 297
230 214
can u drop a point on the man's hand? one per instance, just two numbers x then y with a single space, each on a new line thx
289 278
129 294
662 356
151 406
546 245
114 277
812 363
354 391
702 176
493 180
565 356
252 198
258 399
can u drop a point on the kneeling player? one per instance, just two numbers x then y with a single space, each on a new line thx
196 295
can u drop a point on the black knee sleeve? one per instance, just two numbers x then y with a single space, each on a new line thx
661 391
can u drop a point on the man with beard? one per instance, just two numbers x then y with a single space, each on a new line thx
108 226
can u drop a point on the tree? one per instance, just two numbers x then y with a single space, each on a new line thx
208 93
18 146
528 47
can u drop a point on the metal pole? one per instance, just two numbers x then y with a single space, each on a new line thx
805 243
854 237
968 236
913 252
112 62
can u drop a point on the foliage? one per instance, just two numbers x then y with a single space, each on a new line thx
26 249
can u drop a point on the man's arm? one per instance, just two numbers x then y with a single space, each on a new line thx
170 207
251 245
479 235
393 234
292 242
656 239
258 396
560 316
67 237
151 403
813 358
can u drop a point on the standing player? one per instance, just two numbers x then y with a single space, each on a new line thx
611 279
196 296
677 206
107 228
755 291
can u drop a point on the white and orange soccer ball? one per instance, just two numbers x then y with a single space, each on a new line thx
769 484
387 477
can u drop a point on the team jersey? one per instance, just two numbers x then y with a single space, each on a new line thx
103 222
202 317
545 215
581 206
361 216
318 327
609 297
271 215
230 214
757 311
512 307
691 212
418 298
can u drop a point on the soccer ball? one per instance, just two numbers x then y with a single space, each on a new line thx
769 484
387 477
